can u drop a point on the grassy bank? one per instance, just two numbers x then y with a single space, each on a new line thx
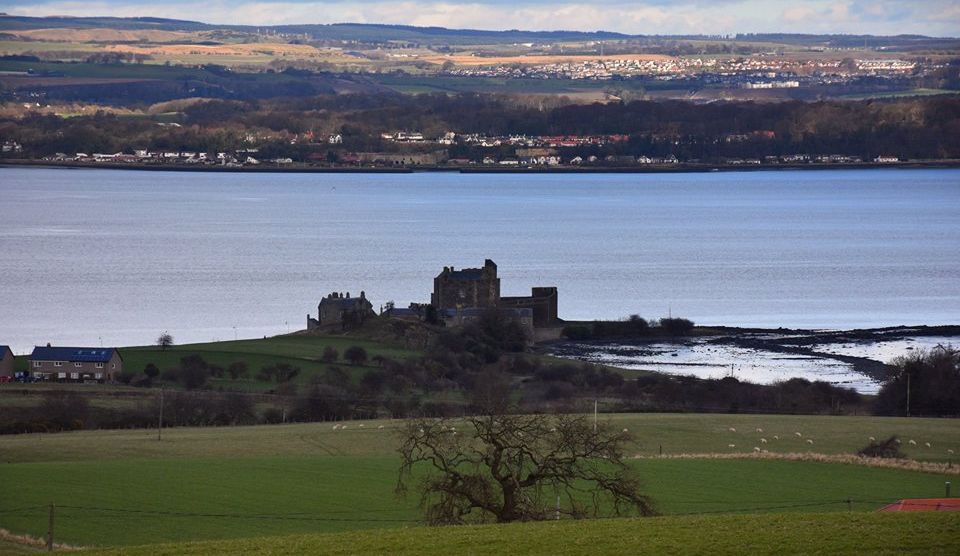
765 534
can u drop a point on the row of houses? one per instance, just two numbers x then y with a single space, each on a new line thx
63 364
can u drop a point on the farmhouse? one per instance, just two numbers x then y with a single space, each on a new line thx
341 311
6 361
75 364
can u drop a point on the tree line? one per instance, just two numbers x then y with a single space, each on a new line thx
917 128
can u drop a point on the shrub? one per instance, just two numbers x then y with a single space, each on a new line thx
330 354
356 355
888 448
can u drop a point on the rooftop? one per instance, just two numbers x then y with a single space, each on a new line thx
72 354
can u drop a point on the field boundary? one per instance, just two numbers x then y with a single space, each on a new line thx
848 459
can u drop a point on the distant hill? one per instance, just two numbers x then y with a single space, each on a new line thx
366 32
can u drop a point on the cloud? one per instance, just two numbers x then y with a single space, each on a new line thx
641 17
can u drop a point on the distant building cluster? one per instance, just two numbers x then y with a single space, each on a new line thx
668 68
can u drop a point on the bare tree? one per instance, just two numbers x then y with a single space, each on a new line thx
501 467
165 340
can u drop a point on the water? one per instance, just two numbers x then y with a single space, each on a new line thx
697 357
119 256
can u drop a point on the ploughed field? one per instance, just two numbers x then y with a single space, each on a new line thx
123 488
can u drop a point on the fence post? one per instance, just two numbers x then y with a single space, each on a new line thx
50 530
849 505
947 485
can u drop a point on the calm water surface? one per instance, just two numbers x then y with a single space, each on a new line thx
120 256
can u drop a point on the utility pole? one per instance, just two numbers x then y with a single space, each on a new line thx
50 530
160 421
908 394
594 415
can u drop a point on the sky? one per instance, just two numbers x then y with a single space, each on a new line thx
876 17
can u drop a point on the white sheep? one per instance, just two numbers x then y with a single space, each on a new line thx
776 437
759 429
731 445
897 440
343 427
626 430
872 439
809 441
731 429
335 427
949 451
380 427
361 425
912 442
927 444
756 448
799 435
763 440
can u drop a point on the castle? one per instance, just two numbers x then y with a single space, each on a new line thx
480 288
459 297
339 311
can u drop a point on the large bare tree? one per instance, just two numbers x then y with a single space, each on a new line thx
506 467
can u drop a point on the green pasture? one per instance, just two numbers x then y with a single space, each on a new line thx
678 433
119 488
298 350
755 534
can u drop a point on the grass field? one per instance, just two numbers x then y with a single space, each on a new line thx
304 351
763 534
118 488
298 350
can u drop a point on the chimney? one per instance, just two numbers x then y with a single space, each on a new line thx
363 294
348 295
48 344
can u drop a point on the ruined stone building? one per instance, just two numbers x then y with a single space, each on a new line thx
341 311
469 287
475 288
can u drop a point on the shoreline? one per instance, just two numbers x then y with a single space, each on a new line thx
479 169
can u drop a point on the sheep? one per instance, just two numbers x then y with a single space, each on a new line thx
927 444
776 437
756 449
343 427
912 442
799 435
872 439
732 429
421 431
336 427
731 445
759 429
361 425
626 430
763 440
897 440
380 427
949 451
809 441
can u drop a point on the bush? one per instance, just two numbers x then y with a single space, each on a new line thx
888 448
676 326
237 369
330 354
356 355
577 332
